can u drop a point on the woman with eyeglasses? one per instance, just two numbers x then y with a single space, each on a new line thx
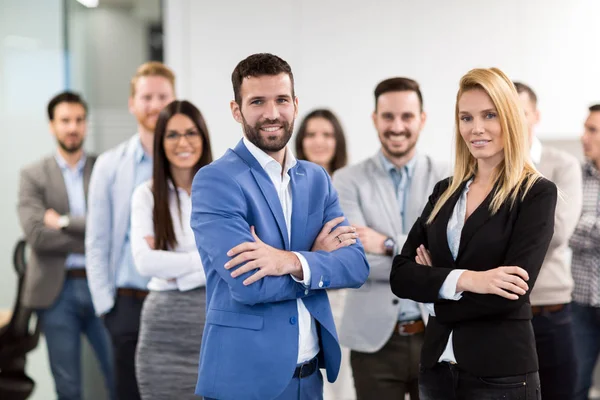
164 249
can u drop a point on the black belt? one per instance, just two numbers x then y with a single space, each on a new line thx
306 369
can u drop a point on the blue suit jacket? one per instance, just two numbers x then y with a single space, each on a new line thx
250 343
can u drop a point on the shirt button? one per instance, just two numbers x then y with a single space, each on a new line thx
321 284
306 292
293 320
395 301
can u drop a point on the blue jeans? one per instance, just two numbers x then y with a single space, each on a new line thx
556 353
62 324
586 329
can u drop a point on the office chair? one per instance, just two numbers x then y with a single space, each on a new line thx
17 338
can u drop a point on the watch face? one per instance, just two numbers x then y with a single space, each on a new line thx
389 243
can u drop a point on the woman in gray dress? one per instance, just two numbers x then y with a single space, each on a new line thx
164 249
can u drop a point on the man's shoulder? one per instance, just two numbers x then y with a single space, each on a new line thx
111 157
38 166
439 169
559 158
355 171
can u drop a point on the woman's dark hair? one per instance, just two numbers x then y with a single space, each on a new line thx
340 156
164 235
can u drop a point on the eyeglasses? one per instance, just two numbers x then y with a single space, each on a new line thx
190 136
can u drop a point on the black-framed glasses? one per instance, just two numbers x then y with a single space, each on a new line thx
175 137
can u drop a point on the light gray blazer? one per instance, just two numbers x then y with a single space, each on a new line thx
367 196
109 209
41 187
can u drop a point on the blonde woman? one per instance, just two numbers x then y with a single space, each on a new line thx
476 251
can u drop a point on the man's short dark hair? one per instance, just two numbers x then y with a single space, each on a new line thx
594 108
523 88
65 97
398 85
258 65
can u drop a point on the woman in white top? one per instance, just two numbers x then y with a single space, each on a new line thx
164 248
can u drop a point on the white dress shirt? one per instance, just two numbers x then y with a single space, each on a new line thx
308 340
179 268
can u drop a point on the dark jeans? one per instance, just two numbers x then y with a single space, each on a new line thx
556 353
586 327
62 324
448 382
123 324
391 372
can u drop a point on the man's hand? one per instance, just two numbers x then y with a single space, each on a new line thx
268 260
507 282
51 219
329 240
371 240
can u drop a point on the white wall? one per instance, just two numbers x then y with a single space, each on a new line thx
340 49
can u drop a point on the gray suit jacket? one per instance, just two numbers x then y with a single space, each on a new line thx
367 196
42 187
554 284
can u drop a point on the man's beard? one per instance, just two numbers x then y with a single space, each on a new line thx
399 154
70 148
148 123
268 144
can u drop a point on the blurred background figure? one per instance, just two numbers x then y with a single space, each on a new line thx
164 249
320 139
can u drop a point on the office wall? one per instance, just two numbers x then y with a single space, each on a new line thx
340 49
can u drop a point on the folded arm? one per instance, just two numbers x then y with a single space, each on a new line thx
527 249
31 210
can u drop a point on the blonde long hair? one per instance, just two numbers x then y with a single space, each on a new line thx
516 169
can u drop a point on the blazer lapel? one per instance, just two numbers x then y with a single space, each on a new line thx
441 222
87 173
300 196
268 190
385 187
475 221
419 191
57 183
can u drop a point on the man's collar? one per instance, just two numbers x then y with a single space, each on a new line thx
264 159
63 164
388 165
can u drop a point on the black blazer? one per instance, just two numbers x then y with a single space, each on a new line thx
493 336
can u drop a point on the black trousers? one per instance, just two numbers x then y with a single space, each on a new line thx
123 325
448 382
556 353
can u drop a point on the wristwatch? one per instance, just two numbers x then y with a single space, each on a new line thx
63 221
389 245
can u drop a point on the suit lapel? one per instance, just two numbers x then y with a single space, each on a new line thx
57 183
419 191
87 173
475 221
385 187
300 196
441 222
266 187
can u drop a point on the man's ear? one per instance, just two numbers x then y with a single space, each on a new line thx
236 111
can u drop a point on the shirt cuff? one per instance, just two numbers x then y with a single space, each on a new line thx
448 289
305 270
430 308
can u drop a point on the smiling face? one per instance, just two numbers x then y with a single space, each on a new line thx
319 141
152 94
480 127
399 121
267 111
182 142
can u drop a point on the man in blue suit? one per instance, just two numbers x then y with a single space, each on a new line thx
256 213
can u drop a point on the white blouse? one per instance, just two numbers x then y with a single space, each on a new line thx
176 269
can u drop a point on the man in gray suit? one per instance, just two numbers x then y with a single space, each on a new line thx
551 296
52 210
382 197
